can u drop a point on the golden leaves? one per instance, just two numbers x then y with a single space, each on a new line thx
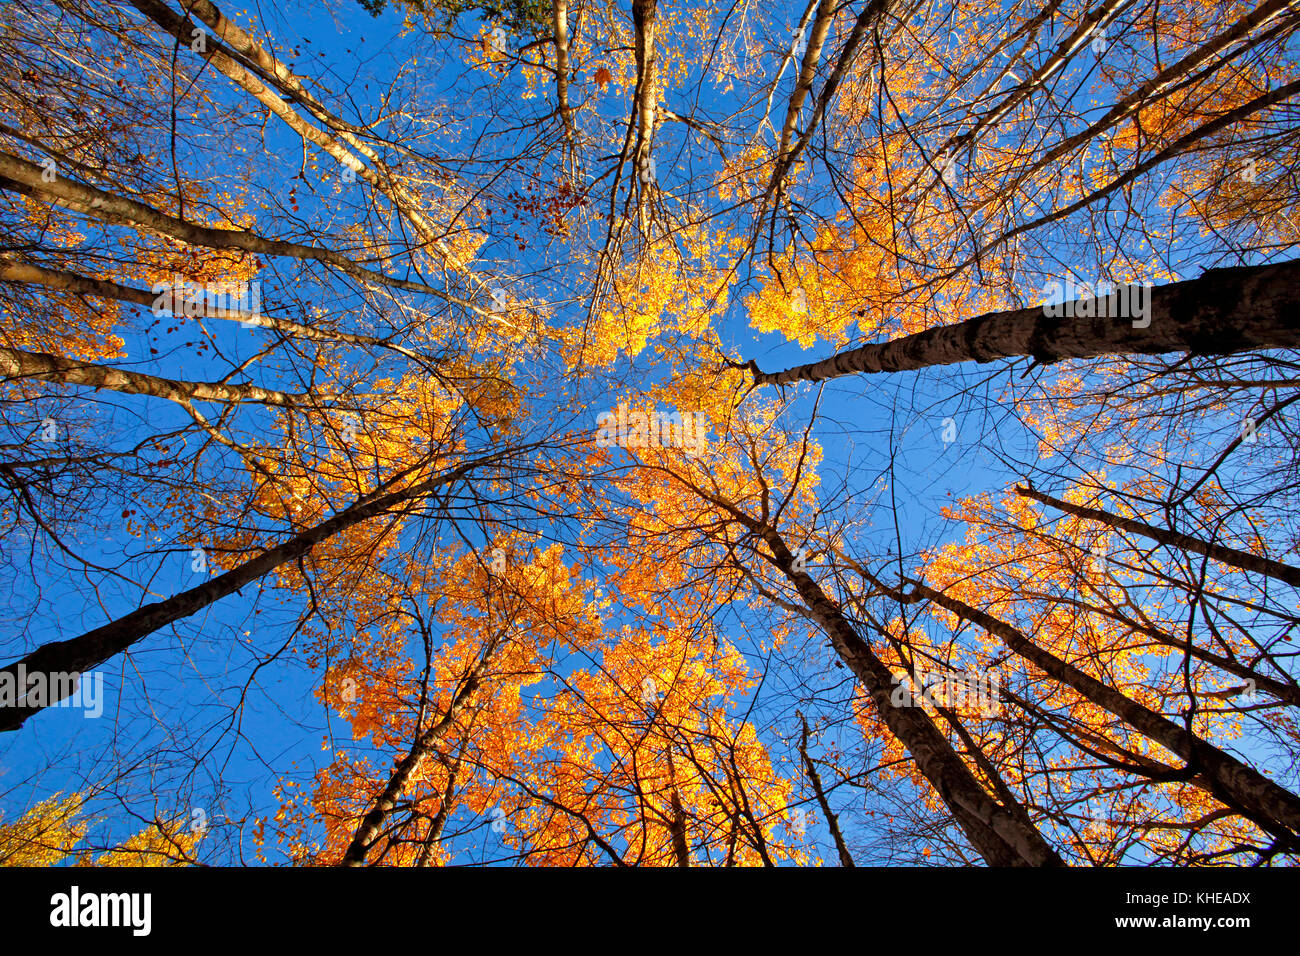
49 833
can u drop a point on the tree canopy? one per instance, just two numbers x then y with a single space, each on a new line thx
564 432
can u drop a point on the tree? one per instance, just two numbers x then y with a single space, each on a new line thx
49 833
383 421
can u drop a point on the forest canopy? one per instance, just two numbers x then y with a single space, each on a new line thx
563 432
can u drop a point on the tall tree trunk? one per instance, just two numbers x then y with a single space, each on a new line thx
998 834
1272 807
19 176
787 151
681 849
560 18
15 363
807 71
80 654
1221 553
439 821
1222 312
378 814
343 141
646 105
18 270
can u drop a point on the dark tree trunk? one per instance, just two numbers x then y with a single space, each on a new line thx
80 654
997 833
1224 311
1221 553
1270 806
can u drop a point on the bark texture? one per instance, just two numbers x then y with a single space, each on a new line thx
1223 311
15 363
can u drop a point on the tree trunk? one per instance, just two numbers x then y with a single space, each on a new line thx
1221 553
1287 692
15 363
997 833
1224 311
560 18
646 105
16 270
19 176
378 814
80 654
1272 807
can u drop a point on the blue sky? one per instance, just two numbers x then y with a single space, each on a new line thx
173 695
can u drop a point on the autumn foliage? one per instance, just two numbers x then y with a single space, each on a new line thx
949 577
